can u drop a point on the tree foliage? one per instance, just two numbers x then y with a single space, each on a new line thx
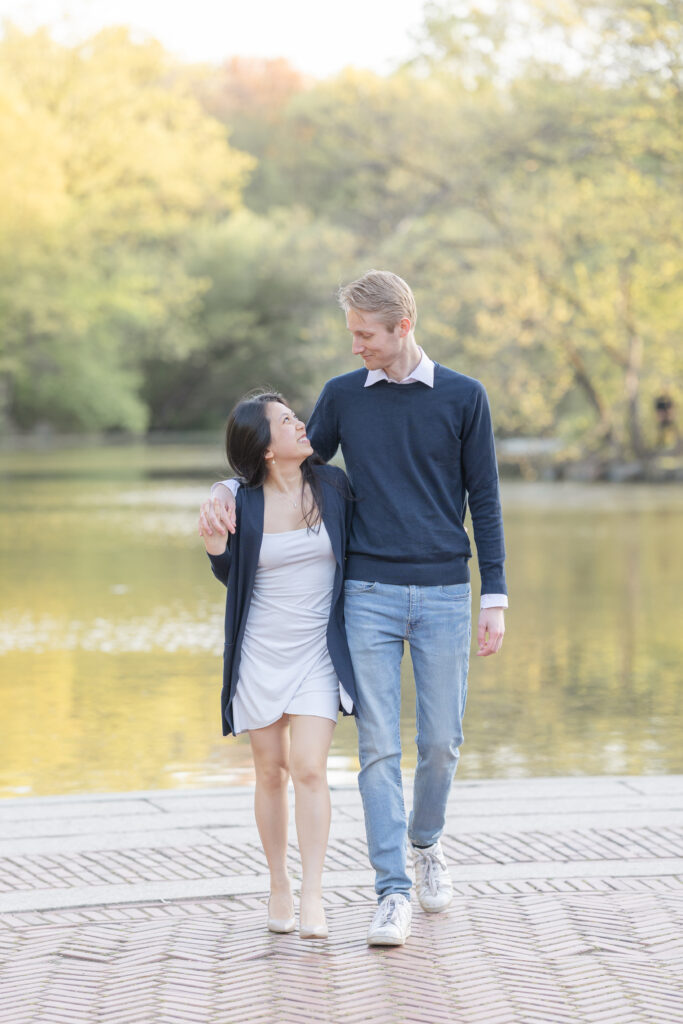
173 235
109 166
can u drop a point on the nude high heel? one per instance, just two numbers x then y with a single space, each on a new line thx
319 932
280 925
309 931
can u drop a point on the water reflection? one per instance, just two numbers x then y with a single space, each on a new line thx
110 632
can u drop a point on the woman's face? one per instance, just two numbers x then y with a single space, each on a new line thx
288 441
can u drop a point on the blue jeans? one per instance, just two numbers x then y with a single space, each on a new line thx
437 623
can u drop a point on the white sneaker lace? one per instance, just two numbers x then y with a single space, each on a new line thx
432 865
388 906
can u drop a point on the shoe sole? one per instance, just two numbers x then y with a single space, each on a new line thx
436 910
281 927
387 941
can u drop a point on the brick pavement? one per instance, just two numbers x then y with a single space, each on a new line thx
150 908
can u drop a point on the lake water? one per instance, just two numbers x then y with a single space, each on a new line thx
111 631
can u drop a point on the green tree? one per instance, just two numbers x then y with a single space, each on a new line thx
90 279
534 204
264 313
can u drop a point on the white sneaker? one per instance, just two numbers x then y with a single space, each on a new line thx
432 880
391 923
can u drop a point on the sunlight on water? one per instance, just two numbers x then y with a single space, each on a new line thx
111 631
164 630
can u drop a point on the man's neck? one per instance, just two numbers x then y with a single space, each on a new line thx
405 362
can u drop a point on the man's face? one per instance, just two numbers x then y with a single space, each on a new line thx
377 346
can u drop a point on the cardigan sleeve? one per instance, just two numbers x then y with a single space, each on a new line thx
220 565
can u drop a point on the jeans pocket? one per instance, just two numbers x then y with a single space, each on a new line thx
358 587
457 591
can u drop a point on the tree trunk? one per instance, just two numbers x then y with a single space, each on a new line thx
634 360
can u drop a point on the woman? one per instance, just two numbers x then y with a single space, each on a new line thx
287 666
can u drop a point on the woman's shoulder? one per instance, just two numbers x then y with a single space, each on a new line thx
327 469
248 502
331 474
246 493
335 482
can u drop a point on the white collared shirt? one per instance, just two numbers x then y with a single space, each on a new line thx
423 372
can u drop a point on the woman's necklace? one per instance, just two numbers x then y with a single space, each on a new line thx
288 498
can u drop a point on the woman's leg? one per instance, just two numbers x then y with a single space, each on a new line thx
270 750
310 743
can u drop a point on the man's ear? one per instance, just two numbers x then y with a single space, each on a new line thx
405 326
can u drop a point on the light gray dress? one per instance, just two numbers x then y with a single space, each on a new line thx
285 667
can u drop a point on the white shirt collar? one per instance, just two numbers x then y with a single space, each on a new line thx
423 372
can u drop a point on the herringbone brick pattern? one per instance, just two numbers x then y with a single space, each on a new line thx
149 908
224 859
600 958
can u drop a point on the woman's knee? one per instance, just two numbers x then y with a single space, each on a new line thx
272 775
308 772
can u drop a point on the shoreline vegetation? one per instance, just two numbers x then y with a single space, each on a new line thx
544 460
172 234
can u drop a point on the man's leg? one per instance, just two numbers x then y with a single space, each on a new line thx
376 623
440 635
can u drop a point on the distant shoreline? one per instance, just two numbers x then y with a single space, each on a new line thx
519 458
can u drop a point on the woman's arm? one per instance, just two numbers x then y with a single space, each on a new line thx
349 503
217 547
338 479
217 513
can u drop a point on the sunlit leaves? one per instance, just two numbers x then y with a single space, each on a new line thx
524 173
107 163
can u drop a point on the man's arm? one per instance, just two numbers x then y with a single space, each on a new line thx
322 428
217 548
217 513
481 480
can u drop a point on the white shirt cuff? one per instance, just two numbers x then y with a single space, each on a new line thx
233 485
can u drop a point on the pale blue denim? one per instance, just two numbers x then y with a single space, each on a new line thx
437 623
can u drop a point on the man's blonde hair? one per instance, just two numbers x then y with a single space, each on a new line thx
380 291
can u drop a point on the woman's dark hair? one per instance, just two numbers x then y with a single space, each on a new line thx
247 437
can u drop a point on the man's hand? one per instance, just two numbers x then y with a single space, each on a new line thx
217 515
215 543
491 631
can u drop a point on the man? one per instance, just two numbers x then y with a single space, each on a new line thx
417 443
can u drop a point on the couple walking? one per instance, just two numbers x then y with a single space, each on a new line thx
327 581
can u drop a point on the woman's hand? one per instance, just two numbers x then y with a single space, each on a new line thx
215 522
217 513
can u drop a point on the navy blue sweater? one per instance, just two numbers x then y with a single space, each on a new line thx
414 456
